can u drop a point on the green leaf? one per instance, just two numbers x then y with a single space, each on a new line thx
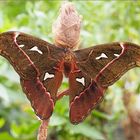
57 120
101 115
6 136
86 130
2 122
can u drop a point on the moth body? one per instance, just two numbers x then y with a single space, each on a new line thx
66 28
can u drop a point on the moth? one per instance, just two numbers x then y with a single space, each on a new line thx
41 66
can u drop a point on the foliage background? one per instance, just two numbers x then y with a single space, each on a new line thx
102 22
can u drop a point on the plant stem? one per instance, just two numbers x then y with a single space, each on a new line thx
42 133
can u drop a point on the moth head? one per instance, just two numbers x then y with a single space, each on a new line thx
66 28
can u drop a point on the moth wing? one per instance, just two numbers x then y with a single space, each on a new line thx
101 66
38 64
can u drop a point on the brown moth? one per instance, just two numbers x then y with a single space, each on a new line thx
90 71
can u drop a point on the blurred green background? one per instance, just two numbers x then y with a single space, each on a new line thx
103 22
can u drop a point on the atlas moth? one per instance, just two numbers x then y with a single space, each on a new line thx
90 71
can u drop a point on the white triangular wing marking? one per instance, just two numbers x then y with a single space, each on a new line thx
103 55
35 48
47 75
22 45
117 55
81 80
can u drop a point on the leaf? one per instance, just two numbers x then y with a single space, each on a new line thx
6 136
15 129
101 115
2 122
57 120
86 130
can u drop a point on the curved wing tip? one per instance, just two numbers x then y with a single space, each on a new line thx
44 117
76 120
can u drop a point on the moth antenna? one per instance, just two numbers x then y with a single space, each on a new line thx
66 28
